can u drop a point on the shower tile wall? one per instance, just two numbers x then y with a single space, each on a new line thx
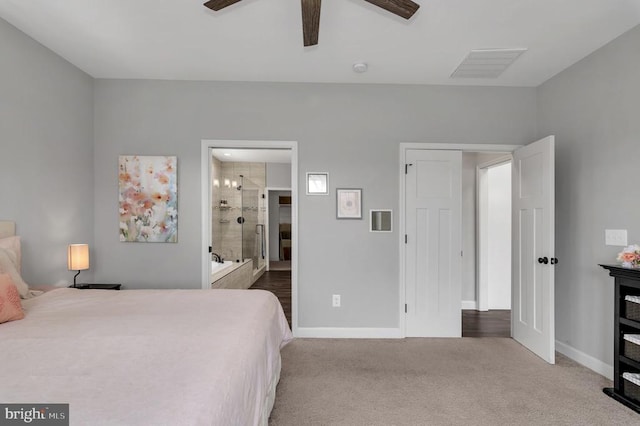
227 232
216 196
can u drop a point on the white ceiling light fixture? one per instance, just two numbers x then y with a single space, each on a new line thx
487 63
360 67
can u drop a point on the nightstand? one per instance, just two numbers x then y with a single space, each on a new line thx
98 286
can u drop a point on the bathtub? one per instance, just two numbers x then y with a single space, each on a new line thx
221 270
219 267
231 274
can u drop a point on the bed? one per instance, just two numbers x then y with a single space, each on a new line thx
141 357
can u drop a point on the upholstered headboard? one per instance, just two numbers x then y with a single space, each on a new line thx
7 228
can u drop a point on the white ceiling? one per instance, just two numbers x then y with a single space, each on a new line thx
261 40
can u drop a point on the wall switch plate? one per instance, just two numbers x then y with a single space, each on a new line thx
615 237
335 300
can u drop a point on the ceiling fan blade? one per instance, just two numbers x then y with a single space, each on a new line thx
310 21
219 4
403 8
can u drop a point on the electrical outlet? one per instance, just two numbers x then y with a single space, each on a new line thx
336 301
615 237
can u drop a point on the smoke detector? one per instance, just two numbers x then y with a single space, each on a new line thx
360 67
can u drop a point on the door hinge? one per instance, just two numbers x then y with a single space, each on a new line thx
405 238
405 308
461 253
406 168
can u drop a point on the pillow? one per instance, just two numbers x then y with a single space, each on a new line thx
10 307
13 245
8 266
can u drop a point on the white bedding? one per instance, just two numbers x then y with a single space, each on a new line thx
146 357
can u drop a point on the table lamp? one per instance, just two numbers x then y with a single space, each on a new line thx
77 259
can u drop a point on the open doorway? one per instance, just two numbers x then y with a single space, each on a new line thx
430 278
237 177
487 206
474 320
279 225
277 278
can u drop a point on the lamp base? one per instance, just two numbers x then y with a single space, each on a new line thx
97 286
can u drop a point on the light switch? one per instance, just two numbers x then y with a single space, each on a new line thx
615 237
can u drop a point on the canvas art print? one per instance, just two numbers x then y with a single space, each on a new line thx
148 198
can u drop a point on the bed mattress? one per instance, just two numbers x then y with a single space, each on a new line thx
141 357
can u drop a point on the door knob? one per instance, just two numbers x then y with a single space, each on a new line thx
544 260
554 260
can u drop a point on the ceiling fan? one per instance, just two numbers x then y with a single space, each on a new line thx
311 13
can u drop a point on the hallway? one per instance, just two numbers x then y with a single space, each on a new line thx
494 323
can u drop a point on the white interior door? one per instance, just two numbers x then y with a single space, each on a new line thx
533 258
433 197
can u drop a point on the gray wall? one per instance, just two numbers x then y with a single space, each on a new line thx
592 108
350 131
46 155
278 175
499 232
468 273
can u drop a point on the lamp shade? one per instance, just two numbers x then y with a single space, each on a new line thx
78 257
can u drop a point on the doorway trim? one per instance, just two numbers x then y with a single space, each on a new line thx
404 147
482 237
205 226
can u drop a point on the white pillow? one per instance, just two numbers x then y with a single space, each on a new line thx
13 245
8 263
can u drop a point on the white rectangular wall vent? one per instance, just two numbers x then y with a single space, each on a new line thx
486 63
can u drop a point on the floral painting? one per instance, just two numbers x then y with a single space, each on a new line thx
148 198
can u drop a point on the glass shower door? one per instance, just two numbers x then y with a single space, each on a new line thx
252 231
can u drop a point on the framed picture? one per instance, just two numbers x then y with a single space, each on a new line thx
349 203
317 183
148 198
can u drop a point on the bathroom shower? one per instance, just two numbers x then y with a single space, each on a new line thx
237 213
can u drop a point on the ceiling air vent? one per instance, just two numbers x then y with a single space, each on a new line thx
486 63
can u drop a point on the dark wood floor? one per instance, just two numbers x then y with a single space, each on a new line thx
278 283
495 323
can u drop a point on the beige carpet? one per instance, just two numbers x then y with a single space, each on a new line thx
488 381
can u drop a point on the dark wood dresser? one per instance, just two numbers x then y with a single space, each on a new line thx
627 283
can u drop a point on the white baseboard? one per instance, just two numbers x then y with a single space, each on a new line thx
588 361
469 304
348 333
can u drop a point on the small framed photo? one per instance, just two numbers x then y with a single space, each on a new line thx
349 203
317 183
